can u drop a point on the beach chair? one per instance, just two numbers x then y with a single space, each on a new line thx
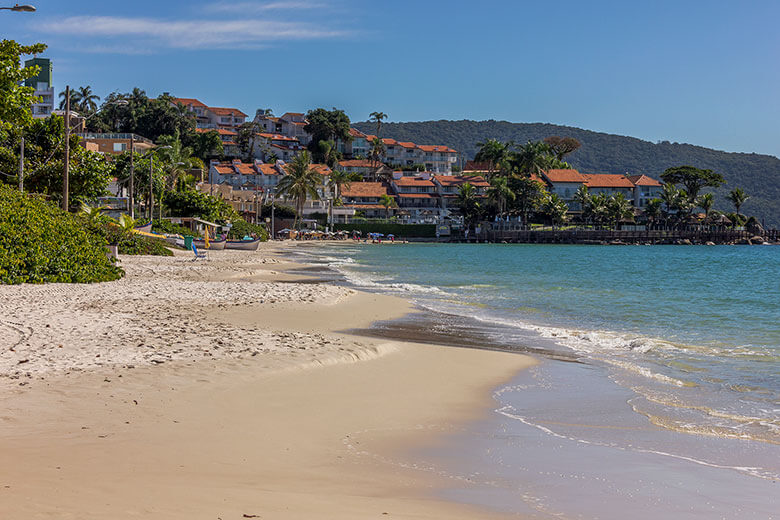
198 254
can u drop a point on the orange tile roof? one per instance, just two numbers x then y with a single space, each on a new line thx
473 166
564 176
436 148
277 137
322 169
458 180
245 169
364 189
408 145
268 169
292 114
354 132
189 101
607 180
644 180
358 163
227 111
413 181
224 170
220 131
389 142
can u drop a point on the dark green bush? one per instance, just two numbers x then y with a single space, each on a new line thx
242 228
40 243
166 226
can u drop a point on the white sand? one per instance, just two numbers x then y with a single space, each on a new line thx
206 390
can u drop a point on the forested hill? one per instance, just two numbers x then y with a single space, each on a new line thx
758 175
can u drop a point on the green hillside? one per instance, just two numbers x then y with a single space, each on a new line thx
758 175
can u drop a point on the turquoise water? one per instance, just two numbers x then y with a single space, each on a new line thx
678 373
687 323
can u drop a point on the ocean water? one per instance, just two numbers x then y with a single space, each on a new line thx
659 387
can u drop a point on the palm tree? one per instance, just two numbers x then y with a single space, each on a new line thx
582 197
338 180
300 183
93 213
619 209
493 152
87 100
672 198
377 117
378 149
738 198
388 202
529 194
705 202
177 161
499 193
533 158
468 204
74 100
598 207
555 208
653 209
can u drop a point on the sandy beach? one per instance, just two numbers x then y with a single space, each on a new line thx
225 389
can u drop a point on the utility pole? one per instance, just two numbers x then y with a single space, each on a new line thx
151 184
67 151
132 176
21 166
273 210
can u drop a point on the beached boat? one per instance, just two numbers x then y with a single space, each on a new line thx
243 245
146 228
214 245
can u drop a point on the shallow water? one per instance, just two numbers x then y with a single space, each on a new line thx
674 405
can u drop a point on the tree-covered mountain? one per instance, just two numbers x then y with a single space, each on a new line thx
758 175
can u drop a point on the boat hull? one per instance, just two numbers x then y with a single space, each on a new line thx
214 245
146 228
243 245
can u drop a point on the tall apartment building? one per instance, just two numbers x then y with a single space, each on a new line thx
42 83
212 118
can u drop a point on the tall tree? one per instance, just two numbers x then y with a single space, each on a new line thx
377 117
706 202
300 183
207 145
387 202
469 205
653 210
529 195
562 146
620 209
378 150
492 152
86 100
15 99
246 137
555 208
693 179
738 198
338 180
327 125
500 193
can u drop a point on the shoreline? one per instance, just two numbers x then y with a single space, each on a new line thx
261 431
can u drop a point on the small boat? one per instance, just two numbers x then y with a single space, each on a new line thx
146 228
243 245
214 245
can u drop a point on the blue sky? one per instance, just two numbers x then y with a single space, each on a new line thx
702 72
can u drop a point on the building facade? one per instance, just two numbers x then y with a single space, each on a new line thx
43 85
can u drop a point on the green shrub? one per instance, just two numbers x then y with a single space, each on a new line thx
242 228
128 243
166 226
40 243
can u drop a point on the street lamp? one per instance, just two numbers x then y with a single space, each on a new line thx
20 8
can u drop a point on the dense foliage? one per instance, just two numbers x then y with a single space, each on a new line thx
758 175
192 203
40 243
242 228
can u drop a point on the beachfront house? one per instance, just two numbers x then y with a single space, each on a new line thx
364 198
418 199
646 189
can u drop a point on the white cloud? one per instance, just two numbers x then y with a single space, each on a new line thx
149 33
261 7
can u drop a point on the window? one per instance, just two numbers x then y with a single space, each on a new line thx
120 147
